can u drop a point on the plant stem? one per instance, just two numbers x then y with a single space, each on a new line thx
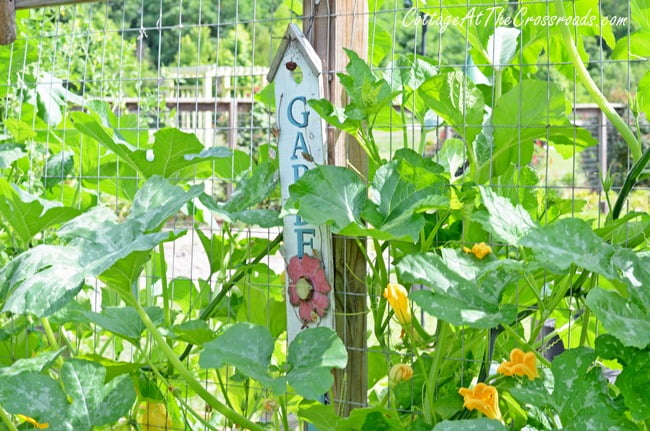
189 377
630 181
405 136
7 420
212 306
433 372
283 412
51 339
178 398
592 88
165 287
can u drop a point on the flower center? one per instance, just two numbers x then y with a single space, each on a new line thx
304 289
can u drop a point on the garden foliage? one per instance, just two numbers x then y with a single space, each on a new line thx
88 199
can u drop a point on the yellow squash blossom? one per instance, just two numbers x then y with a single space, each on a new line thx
483 398
397 298
521 364
32 421
479 250
154 417
399 373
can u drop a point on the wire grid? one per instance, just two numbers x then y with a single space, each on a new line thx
197 65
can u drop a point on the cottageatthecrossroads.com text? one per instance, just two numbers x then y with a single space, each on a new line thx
496 16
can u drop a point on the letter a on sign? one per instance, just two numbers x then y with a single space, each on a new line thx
297 73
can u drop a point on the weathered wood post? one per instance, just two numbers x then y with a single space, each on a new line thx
7 22
330 26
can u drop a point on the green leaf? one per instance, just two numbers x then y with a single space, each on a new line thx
102 242
453 297
313 354
251 189
626 320
330 195
643 94
34 395
599 418
9 153
158 200
641 13
628 231
196 332
509 223
171 152
458 101
581 395
86 402
245 346
27 214
470 425
321 416
119 396
518 119
93 403
401 189
452 156
501 46
57 168
335 116
36 364
41 281
123 321
633 383
570 241
267 96
368 95
633 47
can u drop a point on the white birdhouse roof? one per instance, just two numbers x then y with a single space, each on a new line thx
294 36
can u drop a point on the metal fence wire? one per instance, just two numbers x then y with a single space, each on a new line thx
139 67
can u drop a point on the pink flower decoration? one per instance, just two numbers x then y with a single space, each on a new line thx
308 287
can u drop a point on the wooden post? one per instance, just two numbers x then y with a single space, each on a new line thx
330 26
7 22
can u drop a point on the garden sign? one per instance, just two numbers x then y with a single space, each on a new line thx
296 72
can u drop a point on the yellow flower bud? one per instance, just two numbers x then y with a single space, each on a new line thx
399 373
397 298
479 250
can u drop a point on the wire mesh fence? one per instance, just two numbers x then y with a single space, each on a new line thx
113 114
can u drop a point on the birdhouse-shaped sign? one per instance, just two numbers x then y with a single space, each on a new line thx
296 71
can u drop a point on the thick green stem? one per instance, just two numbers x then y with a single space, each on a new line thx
189 377
51 339
592 88
7 420
165 288
283 413
630 181
434 371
